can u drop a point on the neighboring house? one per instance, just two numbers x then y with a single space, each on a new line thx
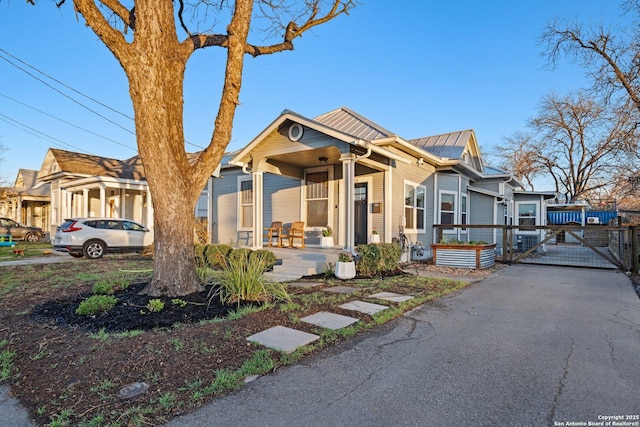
28 201
83 185
345 171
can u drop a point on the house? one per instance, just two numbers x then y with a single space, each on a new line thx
344 171
83 185
28 201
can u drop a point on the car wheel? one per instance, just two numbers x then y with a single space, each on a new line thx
76 254
32 237
94 249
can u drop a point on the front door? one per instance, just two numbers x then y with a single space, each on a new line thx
360 213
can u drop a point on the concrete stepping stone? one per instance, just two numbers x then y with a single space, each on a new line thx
327 320
391 296
283 339
341 289
364 307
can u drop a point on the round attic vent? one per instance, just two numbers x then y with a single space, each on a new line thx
295 132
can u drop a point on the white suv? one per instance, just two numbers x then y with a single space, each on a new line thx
93 237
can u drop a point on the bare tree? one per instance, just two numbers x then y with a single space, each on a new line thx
146 40
575 141
519 156
611 57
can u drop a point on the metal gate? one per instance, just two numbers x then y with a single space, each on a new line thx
572 246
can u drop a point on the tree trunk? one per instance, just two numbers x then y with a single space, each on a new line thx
156 75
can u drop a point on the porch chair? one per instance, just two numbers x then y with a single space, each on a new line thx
296 231
274 232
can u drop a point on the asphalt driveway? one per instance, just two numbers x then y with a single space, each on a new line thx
528 346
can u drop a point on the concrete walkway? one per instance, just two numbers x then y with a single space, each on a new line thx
528 346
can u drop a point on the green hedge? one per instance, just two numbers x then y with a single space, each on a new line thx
216 255
378 258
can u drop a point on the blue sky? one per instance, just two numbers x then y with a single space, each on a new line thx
417 68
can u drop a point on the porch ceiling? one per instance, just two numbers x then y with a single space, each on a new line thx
308 158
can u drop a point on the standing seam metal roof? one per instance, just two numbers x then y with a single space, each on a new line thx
351 123
448 145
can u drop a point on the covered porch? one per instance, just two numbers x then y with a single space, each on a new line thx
324 180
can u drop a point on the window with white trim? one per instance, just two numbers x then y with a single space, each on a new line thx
447 208
464 211
414 206
317 198
245 203
527 213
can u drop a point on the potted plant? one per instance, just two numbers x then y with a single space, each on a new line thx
326 241
375 237
456 253
345 267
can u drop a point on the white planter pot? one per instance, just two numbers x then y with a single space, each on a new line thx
326 242
345 270
374 238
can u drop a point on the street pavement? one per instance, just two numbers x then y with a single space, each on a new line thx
528 346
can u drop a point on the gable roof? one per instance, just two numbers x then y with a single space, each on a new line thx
80 164
351 123
27 184
448 145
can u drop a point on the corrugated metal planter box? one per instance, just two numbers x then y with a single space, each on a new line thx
467 256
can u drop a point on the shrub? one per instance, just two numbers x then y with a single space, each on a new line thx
96 304
216 255
345 256
268 257
155 305
241 280
240 254
111 285
199 252
378 258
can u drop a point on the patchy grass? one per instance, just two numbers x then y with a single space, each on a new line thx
66 376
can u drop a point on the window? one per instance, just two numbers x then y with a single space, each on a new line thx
464 212
245 203
527 213
317 198
414 206
447 208
201 206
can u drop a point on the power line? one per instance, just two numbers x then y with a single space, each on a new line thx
66 122
37 133
70 98
63 84
66 96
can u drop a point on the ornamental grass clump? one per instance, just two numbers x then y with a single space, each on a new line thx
241 281
96 304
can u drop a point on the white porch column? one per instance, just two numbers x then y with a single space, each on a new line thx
149 221
388 206
85 202
210 209
348 176
123 203
258 212
103 201
19 210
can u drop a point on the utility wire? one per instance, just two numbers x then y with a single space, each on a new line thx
37 133
63 84
70 98
67 96
69 123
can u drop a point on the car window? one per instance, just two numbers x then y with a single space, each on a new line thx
92 224
114 225
130 225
